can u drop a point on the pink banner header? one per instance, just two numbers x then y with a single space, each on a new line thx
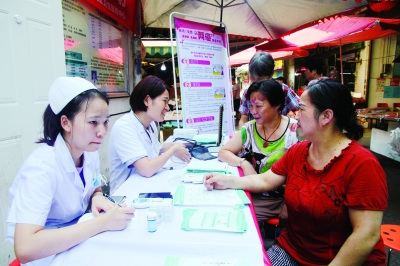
199 32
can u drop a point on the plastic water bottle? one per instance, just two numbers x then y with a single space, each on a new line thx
155 207
167 210
151 222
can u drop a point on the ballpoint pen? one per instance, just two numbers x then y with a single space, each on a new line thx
111 199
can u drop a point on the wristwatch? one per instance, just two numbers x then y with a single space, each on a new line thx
240 162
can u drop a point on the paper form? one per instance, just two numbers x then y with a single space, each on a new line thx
196 166
88 216
196 195
221 220
179 261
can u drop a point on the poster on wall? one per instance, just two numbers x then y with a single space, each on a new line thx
396 65
380 84
93 47
204 76
391 92
395 82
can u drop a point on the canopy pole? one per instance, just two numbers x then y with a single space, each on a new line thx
341 61
222 9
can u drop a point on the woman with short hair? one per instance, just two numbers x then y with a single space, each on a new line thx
134 144
261 142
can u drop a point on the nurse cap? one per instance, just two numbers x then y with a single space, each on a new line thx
64 89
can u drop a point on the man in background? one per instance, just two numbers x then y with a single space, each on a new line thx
281 79
313 71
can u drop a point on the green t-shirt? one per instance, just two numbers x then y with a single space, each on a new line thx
262 158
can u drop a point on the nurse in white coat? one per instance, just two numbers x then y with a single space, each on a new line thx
134 144
59 180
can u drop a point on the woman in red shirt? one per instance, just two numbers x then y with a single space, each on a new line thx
336 190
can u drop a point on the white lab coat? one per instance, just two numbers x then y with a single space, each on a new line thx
48 190
128 143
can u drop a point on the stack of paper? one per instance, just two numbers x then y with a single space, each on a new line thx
196 195
196 178
221 220
206 138
197 166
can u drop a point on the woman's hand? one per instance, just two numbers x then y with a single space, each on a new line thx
99 202
247 168
117 218
181 152
216 181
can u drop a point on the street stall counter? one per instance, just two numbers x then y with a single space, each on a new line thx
383 122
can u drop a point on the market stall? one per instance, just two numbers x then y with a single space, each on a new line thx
385 125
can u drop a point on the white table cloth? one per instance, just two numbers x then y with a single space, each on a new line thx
136 246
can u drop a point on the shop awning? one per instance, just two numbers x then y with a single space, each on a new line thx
159 49
341 30
244 57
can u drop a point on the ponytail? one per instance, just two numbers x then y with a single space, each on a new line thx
51 127
329 94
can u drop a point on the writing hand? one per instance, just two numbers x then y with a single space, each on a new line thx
118 217
100 203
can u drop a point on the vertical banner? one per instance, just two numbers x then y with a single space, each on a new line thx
204 76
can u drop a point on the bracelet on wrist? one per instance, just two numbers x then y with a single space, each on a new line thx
241 161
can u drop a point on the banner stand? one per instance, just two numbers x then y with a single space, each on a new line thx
208 84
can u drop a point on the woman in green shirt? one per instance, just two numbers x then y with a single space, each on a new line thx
261 142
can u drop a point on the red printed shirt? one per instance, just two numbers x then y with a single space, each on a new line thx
318 201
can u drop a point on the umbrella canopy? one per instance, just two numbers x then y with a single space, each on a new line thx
244 56
268 19
342 30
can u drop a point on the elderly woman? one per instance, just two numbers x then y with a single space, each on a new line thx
261 66
336 190
261 142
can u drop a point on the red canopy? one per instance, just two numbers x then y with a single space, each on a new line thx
342 30
244 56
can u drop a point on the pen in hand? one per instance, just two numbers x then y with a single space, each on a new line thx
111 199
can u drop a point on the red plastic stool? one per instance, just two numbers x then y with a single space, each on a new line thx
390 234
15 263
274 221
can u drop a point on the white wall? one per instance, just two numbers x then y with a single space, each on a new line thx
289 65
32 54
362 71
383 52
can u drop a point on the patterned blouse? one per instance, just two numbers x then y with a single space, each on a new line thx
262 158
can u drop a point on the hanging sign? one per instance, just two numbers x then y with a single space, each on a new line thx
125 12
204 75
